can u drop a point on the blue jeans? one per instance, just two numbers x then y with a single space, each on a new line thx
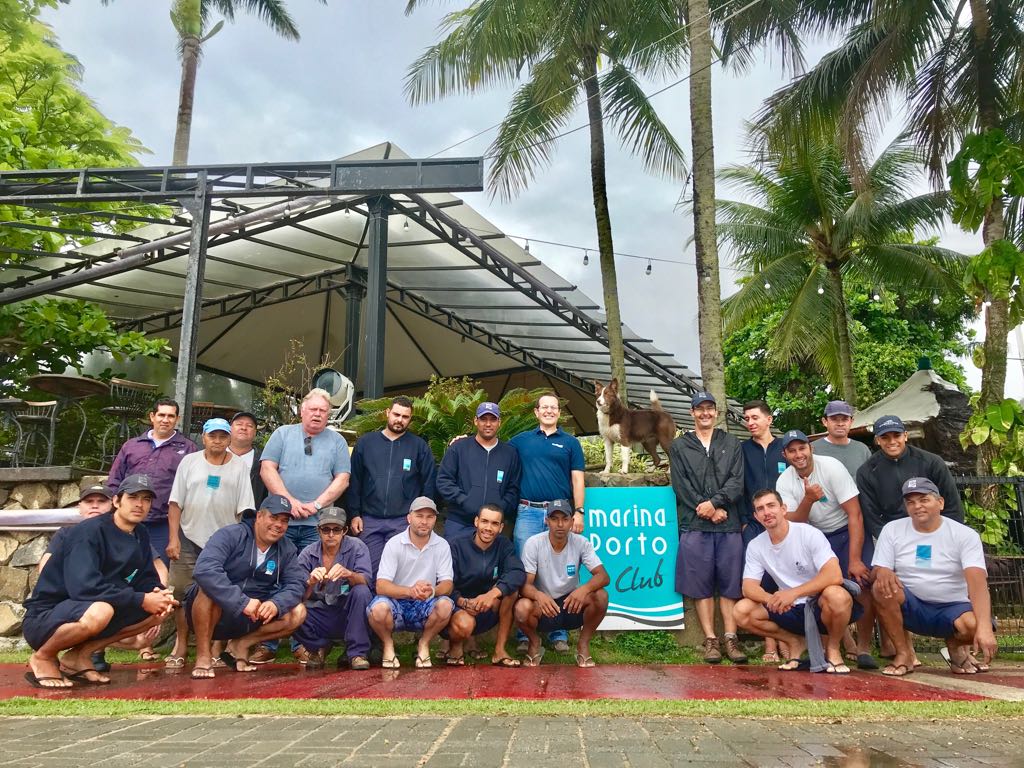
301 536
529 522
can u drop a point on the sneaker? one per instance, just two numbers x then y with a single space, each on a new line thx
301 655
712 655
733 651
560 646
315 659
262 655
359 663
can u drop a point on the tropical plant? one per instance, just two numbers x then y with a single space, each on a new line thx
809 231
957 66
561 53
446 411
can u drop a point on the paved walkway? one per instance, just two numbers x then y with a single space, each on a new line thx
479 742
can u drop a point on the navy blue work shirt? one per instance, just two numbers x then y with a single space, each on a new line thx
548 462
761 468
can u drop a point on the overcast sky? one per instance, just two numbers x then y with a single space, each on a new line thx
260 98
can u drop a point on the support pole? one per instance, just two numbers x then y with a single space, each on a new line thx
377 285
354 293
184 379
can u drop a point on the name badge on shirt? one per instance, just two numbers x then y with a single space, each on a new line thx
271 566
406 464
780 467
924 555
570 570
213 482
131 576
501 475
494 575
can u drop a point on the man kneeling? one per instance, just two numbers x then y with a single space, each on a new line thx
99 587
930 578
552 597
248 587
798 557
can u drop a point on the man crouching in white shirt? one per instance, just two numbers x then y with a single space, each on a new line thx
930 578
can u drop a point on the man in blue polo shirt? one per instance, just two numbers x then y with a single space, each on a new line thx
553 464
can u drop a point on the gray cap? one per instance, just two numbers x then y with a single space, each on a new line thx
333 515
838 408
920 485
94 488
559 506
422 502
276 504
135 484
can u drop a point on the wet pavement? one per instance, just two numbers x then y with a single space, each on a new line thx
505 742
289 681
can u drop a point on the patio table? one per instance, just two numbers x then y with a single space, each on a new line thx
69 391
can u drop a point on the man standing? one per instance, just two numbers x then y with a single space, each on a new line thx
243 434
337 593
488 575
477 471
155 454
100 587
552 468
552 597
211 490
881 477
818 490
390 468
248 588
413 585
707 477
801 562
931 579
837 443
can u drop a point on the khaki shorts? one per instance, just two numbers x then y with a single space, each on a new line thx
180 573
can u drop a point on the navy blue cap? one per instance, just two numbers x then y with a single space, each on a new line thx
563 506
838 408
793 436
488 407
276 504
699 398
920 485
888 424
135 484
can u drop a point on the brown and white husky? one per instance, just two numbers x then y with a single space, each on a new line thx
625 426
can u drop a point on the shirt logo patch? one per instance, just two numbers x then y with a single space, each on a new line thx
271 566
780 467
131 576
923 556
406 464
494 575
570 570
213 482
800 568
501 475
558 445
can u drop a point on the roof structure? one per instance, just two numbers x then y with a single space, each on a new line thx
914 401
461 298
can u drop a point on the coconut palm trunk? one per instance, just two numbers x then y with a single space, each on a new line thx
190 48
842 319
603 221
709 292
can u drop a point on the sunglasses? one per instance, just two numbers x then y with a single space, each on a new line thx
308 445
332 530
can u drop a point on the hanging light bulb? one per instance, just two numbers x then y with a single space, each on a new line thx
527 246
405 224
935 299
648 270
767 285
586 257
288 210
347 212
821 290
987 302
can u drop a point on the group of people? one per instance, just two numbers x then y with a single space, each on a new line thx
797 540
245 547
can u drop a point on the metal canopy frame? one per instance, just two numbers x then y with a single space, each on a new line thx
374 189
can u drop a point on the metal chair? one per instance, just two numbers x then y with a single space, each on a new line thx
130 401
36 421
201 411
10 448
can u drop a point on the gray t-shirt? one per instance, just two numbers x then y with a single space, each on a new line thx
211 496
558 573
306 476
852 455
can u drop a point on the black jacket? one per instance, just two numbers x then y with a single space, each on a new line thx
715 476
388 474
471 476
880 482
477 571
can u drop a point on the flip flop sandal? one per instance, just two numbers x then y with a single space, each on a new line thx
455 661
37 682
506 661
149 656
837 669
391 663
478 655
791 665
174 662
209 669
893 670
866 661
770 658
232 663
217 663
424 662
584 662
534 661
82 676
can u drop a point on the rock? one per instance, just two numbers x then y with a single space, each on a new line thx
33 496
8 644
32 552
13 583
8 545
93 480
11 615
67 495
13 505
33 577
23 536
4 493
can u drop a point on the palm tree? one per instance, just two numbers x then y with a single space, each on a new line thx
559 53
810 231
191 21
959 67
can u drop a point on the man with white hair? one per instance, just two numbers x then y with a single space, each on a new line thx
309 465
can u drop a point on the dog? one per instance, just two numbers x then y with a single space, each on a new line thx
625 426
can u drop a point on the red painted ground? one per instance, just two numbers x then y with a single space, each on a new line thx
546 682
995 677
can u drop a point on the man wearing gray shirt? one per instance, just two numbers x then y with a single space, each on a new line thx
837 443
552 597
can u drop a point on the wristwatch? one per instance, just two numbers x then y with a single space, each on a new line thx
318 505
579 511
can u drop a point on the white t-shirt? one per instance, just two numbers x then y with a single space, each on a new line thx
247 457
826 515
211 496
403 563
931 565
794 561
558 573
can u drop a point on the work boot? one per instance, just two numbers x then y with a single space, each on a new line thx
733 651
712 655
314 659
262 655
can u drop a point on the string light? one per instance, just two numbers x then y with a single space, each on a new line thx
935 299
405 224
527 246
586 257
648 270
767 285
821 290
347 212
877 295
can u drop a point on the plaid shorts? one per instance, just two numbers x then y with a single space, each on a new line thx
408 614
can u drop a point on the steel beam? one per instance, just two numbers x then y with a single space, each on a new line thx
376 290
353 321
184 379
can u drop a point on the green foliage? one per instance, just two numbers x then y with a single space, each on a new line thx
447 409
988 168
593 456
1001 425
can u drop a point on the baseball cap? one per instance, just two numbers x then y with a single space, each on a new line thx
488 407
276 504
216 425
699 398
793 436
920 485
136 483
562 506
92 488
242 414
335 515
838 408
888 424
423 502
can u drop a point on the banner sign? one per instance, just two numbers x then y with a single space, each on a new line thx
636 536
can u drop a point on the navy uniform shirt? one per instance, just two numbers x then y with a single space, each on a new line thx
479 570
761 468
548 462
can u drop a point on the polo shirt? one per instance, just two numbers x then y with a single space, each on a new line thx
403 563
548 462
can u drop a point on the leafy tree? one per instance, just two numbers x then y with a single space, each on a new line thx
808 231
561 53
